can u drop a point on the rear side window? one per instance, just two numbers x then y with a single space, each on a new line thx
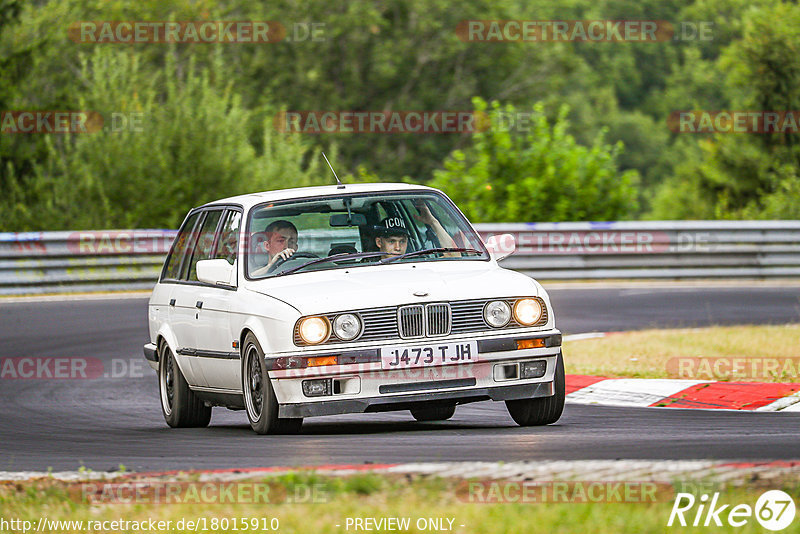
228 242
204 247
179 247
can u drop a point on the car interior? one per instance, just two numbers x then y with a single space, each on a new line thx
349 225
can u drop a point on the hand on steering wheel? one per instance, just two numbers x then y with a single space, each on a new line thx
284 255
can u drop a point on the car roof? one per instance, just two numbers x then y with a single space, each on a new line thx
251 199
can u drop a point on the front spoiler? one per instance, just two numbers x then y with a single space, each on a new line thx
406 402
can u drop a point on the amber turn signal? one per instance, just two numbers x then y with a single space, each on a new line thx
530 343
322 360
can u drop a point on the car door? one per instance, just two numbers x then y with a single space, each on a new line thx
174 289
185 297
217 355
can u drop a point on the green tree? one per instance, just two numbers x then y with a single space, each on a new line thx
189 145
747 175
537 175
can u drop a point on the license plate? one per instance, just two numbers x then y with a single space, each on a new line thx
405 356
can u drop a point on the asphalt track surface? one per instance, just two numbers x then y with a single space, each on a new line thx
104 422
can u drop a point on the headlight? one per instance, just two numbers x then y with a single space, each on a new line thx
347 326
497 313
527 311
314 330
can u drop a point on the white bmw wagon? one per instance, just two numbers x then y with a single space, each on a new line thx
347 299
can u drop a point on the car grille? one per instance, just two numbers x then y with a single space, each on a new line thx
420 320
438 319
412 321
461 317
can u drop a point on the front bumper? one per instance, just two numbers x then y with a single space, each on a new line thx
406 402
362 385
151 354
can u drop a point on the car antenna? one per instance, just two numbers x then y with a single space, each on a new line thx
339 182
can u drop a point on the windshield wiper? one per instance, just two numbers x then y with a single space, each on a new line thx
335 257
429 251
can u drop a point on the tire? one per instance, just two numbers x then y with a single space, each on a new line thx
543 410
179 405
435 413
260 402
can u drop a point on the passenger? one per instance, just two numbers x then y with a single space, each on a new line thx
392 236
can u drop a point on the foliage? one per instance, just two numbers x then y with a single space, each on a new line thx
185 142
747 175
541 174
207 109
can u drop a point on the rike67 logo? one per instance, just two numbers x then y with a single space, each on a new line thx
774 510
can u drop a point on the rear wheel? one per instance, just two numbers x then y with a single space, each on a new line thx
543 410
180 406
259 398
435 413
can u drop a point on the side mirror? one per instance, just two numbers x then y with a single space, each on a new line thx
216 272
500 246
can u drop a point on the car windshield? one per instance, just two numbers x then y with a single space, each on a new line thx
357 230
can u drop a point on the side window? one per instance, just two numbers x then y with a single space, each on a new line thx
228 242
182 242
205 242
427 234
451 225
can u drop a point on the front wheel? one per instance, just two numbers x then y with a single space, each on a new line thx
542 410
259 397
179 405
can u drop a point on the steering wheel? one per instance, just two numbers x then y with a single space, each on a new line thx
281 261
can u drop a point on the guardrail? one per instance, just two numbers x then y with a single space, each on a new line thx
56 262
654 249
49 262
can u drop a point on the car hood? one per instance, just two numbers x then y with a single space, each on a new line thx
392 285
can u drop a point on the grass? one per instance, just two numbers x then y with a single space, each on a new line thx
655 354
363 496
